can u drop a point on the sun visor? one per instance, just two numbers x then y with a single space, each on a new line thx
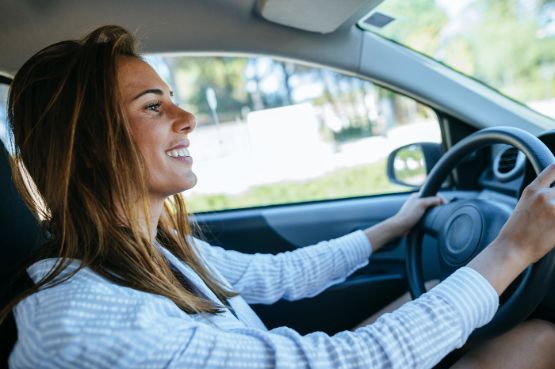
323 16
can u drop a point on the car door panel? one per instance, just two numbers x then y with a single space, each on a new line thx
286 228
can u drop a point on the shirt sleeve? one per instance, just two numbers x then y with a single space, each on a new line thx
292 275
417 335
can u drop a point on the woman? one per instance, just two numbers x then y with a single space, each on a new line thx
123 284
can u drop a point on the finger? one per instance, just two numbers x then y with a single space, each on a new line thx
546 177
432 201
443 200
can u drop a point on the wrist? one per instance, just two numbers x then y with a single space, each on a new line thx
383 232
512 251
500 263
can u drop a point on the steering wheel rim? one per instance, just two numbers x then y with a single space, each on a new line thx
532 286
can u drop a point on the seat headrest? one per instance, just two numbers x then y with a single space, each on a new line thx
20 231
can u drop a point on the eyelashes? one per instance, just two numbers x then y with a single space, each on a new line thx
154 106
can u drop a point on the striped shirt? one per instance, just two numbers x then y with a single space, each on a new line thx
90 322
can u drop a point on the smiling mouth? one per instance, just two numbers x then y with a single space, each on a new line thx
178 153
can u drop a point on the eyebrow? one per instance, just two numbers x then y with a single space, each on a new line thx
155 91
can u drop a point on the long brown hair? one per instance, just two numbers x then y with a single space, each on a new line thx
73 140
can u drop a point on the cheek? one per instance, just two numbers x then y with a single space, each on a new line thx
145 135
152 156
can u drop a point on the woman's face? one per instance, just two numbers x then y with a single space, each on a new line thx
160 128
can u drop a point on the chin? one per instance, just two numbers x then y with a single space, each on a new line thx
189 183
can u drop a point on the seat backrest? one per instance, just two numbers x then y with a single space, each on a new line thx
20 235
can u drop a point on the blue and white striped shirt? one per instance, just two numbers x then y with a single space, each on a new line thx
90 322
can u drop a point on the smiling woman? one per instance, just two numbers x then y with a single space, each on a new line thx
121 281
159 128
100 184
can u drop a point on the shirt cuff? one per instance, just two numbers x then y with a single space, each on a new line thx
472 296
355 246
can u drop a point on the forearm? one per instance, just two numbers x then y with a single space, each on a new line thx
382 233
500 263
265 278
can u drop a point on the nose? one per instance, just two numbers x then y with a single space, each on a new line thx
184 121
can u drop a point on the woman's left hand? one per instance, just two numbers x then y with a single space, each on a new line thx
412 210
402 222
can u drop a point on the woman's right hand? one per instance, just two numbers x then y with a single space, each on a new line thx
531 227
526 237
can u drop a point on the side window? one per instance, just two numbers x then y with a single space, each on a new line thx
5 132
275 132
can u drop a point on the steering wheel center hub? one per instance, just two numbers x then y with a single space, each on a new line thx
461 235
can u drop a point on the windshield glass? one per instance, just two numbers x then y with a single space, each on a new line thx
506 44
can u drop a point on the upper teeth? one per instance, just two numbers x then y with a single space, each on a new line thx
178 152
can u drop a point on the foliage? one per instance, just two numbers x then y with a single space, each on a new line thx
418 23
224 74
245 84
508 44
409 165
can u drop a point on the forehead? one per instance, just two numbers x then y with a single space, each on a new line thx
135 76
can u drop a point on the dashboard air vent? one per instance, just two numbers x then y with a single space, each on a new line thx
508 164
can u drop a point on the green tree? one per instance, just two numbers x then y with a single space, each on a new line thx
499 42
418 23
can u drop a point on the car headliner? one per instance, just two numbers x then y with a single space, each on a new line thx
234 26
167 26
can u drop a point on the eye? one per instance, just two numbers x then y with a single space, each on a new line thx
154 106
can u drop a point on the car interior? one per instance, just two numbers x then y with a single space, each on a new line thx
491 147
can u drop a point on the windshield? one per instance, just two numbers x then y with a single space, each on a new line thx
506 44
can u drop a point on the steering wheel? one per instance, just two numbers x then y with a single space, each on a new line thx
465 227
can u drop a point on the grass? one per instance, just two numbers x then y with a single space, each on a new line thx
350 182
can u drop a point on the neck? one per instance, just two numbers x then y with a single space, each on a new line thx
151 225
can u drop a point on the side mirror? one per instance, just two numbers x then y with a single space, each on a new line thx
410 164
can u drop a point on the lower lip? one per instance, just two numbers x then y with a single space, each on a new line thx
185 159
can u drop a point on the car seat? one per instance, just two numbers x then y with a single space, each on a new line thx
20 232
